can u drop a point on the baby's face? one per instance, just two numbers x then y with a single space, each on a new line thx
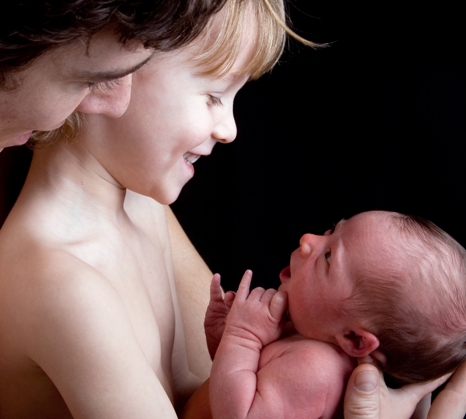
175 117
323 270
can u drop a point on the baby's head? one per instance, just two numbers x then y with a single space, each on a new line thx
387 284
413 298
259 25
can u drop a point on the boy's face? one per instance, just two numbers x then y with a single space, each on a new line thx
323 270
175 116
60 81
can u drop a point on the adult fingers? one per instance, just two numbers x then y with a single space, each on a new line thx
451 401
362 398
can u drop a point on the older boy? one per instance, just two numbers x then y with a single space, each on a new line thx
59 55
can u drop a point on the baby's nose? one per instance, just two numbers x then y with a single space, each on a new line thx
309 242
305 245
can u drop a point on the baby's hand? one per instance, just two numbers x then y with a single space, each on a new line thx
217 311
257 315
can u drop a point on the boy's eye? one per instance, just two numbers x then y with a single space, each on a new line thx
214 100
328 256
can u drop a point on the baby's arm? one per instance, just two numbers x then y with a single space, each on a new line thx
255 320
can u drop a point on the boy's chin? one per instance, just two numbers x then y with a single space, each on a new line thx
167 197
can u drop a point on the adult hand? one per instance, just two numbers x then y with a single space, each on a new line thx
451 401
368 397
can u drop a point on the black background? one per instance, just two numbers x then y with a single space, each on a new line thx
375 121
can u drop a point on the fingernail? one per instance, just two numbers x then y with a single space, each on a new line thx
366 381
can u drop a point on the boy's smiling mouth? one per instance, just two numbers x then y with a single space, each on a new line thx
190 157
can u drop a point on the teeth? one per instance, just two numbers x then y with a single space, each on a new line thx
191 158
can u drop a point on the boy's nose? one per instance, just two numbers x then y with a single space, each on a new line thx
225 129
308 243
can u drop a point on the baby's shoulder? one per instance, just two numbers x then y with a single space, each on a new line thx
308 354
312 375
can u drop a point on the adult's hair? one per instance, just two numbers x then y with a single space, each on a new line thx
417 310
30 28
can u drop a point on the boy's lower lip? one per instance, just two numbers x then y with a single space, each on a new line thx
190 159
190 166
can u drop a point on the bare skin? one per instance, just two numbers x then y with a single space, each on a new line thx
117 307
292 377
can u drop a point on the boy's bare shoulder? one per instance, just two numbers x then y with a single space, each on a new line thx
60 315
45 288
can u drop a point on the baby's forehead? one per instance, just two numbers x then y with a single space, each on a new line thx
368 224
377 235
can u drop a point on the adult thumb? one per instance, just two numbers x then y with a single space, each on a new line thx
362 398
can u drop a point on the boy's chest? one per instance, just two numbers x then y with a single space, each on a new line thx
148 297
140 272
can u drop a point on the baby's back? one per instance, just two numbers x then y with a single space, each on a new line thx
304 378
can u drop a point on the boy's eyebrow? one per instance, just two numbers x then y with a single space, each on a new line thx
102 76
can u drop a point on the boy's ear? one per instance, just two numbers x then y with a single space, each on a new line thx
358 343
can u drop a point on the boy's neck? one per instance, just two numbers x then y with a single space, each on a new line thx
71 175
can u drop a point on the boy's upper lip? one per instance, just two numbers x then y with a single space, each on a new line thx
191 157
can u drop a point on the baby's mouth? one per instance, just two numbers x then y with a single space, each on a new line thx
190 157
285 274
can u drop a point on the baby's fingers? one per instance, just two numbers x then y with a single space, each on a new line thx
244 286
229 298
215 289
278 305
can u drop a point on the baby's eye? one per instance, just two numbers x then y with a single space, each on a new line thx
215 101
330 231
328 256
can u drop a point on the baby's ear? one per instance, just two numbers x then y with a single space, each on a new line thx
358 343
